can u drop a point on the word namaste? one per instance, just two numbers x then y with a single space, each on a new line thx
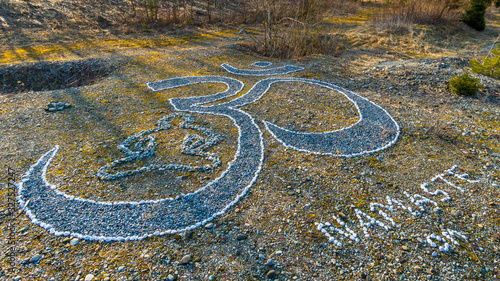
366 221
64 214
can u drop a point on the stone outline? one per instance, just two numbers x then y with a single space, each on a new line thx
262 64
191 104
52 230
273 129
287 69
193 144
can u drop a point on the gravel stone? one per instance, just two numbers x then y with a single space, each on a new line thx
35 258
74 241
240 237
271 274
188 234
185 260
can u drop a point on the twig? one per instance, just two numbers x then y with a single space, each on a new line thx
494 42
295 20
450 41
292 19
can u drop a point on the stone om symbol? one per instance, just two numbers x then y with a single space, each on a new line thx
64 214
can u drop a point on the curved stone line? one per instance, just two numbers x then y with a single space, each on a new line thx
262 64
264 72
64 214
375 130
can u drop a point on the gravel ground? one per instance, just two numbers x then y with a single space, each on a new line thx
275 230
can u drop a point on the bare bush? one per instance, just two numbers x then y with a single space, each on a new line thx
292 29
294 40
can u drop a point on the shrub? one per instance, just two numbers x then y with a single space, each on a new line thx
490 65
464 85
474 16
293 41
292 29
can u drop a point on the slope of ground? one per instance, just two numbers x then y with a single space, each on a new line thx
273 232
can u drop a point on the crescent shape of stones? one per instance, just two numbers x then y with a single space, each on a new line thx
374 131
63 214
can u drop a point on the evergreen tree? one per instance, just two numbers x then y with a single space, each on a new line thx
474 16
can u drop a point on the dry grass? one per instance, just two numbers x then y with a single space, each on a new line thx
403 14
294 30
344 7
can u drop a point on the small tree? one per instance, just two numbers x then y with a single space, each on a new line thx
474 16
465 85
489 65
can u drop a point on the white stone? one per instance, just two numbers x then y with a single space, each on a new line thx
74 242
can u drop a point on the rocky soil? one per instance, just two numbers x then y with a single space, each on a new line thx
287 226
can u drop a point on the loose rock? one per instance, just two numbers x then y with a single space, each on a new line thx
271 274
185 260
54 106
35 258
240 237
74 242
188 234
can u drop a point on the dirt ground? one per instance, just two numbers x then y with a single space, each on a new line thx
275 230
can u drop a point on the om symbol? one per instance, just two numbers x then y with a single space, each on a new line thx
64 214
